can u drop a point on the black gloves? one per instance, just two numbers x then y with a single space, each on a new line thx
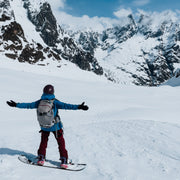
11 103
83 107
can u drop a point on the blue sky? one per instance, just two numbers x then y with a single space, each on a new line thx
102 14
106 8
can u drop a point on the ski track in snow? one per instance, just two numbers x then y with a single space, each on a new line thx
129 132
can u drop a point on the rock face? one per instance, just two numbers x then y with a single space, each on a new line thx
13 43
53 35
44 22
57 44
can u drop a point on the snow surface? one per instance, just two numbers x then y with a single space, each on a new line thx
20 14
128 133
127 55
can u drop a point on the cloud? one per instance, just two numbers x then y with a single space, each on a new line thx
122 13
84 22
141 2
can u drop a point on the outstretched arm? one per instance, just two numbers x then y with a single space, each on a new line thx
61 105
23 105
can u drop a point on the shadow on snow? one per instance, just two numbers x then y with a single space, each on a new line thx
13 152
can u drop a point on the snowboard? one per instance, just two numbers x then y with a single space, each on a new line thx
32 160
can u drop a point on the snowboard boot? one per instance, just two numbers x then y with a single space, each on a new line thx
41 160
64 164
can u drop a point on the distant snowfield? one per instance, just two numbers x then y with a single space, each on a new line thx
128 133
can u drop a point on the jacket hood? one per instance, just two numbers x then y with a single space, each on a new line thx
47 96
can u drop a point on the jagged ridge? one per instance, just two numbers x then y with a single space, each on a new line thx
141 52
55 37
137 52
58 44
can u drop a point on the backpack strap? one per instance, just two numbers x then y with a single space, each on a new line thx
57 119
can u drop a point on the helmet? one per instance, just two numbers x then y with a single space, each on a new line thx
48 89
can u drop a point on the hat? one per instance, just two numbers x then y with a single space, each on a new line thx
48 89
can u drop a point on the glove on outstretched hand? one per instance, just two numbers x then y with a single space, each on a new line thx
83 107
11 103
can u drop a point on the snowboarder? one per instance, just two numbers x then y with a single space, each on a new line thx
54 126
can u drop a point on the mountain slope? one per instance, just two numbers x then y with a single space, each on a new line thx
144 51
29 33
129 132
141 50
55 37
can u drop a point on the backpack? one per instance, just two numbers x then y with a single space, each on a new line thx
45 113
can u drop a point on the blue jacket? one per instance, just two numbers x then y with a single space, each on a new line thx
57 105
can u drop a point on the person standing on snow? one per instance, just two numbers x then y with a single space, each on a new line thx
56 127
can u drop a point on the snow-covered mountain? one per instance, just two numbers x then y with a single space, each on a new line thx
142 49
30 33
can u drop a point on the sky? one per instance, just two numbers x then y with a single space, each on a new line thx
101 14
109 8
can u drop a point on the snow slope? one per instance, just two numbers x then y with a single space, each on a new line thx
129 132
21 18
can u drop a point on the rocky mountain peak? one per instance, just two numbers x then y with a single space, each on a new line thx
144 51
44 22
58 44
53 35
13 42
